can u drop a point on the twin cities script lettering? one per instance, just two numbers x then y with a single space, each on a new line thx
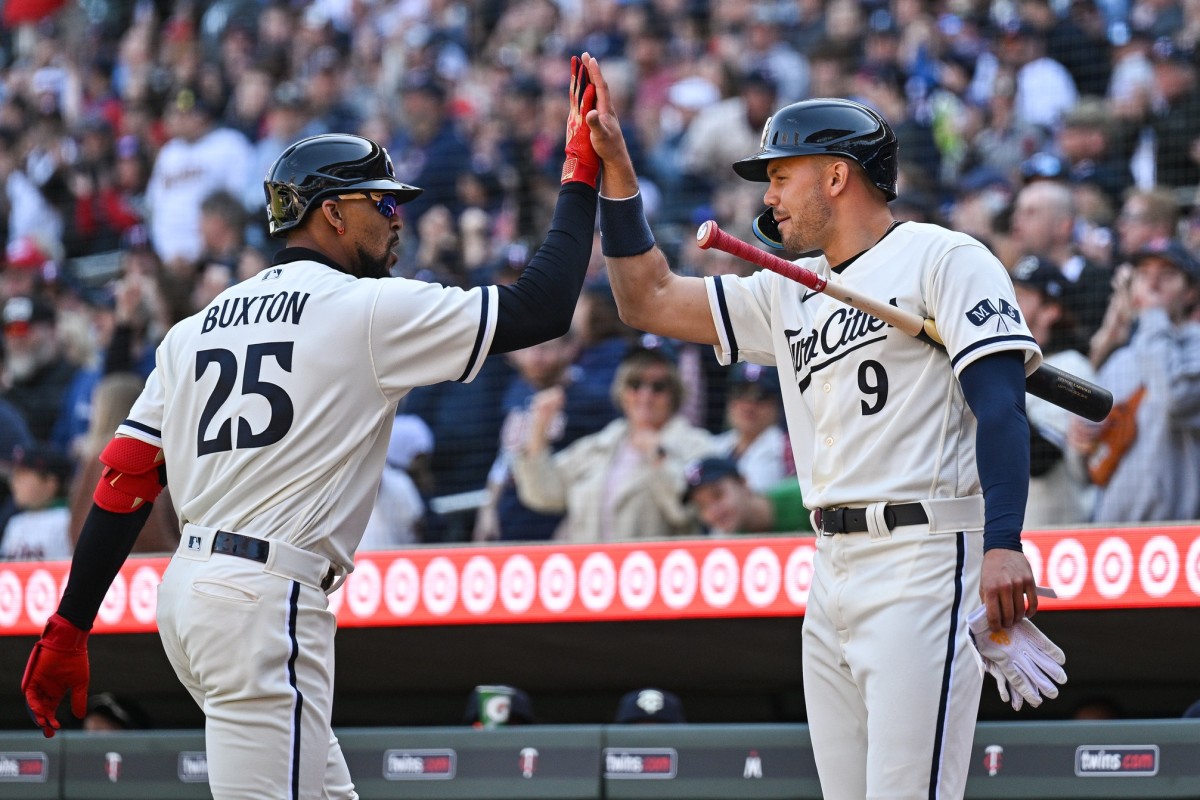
846 330
285 306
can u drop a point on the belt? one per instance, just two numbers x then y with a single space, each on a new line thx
235 544
854 520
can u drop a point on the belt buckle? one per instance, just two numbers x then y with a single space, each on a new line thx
832 520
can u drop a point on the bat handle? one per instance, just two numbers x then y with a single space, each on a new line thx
709 235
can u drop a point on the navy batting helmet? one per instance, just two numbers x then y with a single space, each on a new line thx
824 126
827 126
324 165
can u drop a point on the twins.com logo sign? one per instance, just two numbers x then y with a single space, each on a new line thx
1116 760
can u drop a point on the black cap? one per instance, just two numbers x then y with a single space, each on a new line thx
1172 251
122 711
43 459
706 471
649 705
21 312
744 373
1040 274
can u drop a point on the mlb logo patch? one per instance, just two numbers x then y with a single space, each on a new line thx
194 543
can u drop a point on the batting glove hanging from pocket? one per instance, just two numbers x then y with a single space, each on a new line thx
1024 662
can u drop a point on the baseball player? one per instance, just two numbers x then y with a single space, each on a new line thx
914 461
270 410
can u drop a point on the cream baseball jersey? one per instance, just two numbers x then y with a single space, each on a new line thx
274 404
874 414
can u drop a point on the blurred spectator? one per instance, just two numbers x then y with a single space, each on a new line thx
37 531
504 516
1175 115
287 120
498 706
1146 454
1077 40
1146 215
28 268
649 706
755 440
1045 89
103 208
1043 224
602 342
429 151
767 47
465 419
1059 490
1085 141
200 158
727 130
36 375
1005 140
625 481
113 398
111 713
726 504
29 212
397 516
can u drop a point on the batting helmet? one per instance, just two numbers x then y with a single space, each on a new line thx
827 126
323 165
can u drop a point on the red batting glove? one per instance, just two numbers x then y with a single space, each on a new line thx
57 665
582 163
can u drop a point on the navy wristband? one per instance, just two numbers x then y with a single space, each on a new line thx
624 231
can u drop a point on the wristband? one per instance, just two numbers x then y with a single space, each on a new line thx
624 231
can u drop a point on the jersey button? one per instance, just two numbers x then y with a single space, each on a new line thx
827 387
829 441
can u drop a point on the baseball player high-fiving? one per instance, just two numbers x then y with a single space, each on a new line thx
270 410
914 461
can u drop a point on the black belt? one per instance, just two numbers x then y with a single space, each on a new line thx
854 520
235 544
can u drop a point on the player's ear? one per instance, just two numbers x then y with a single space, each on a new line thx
333 213
837 176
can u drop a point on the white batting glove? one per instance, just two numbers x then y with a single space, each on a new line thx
1024 662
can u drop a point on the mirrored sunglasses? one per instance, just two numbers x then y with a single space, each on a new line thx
384 202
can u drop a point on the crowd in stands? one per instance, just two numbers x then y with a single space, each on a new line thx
134 137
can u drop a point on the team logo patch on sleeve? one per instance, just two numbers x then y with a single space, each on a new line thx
1002 311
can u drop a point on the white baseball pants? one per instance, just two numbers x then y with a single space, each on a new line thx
891 679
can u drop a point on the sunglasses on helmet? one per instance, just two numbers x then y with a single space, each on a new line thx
387 204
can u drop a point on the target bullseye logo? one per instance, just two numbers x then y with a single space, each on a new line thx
597 582
143 594
364 590
761 577
439 586
798 574
401 588
1191 567
10 598
719 578
479 583
111 610
677 579
1112 569
518 584
1067 568
1158 567
556 583
637 580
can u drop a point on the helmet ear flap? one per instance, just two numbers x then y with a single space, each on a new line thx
767 230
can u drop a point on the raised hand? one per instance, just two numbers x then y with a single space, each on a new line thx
582 163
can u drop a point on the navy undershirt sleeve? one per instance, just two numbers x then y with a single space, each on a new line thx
539 306
105 541
994 387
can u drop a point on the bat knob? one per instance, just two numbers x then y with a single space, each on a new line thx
705 234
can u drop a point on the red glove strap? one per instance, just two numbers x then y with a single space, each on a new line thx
63 633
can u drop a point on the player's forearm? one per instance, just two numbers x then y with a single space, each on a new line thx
539 306
994 387
104 544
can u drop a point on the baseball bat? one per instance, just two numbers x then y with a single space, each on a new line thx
1049 383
